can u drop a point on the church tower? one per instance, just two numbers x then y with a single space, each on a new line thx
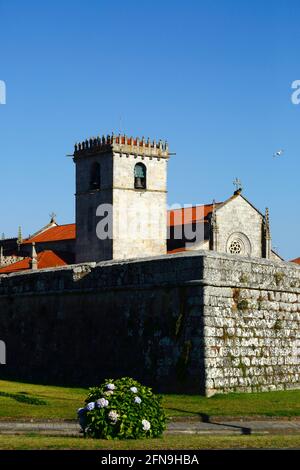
121 198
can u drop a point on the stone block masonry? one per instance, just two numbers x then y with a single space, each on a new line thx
137 222
195 322
251 325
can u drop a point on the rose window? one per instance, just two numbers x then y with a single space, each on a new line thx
238 244
235 247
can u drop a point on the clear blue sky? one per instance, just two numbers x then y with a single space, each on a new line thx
212 77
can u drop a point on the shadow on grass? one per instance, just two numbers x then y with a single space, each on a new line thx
205 418
21 397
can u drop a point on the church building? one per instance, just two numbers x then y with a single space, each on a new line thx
121 214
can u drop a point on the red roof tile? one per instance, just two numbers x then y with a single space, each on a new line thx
185 215
297 261
57 233
45 259
188 215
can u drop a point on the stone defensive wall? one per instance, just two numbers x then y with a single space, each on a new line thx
196 322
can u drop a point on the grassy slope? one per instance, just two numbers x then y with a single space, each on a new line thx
62 403
285 403
165 443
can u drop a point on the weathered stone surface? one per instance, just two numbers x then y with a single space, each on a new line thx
138 222
259 348
179 323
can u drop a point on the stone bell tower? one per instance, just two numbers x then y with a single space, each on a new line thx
121 198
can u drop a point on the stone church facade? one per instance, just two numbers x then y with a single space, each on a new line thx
234 227
121 213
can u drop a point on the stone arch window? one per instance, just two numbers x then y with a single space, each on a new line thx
238 244
95 176
140 176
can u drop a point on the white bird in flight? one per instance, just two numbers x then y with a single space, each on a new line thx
278 153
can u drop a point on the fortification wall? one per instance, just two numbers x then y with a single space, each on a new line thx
194 322
252 325
78 325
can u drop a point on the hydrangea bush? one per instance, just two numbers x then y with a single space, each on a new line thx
122 409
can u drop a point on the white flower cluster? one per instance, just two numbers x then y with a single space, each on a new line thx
110 387
102 403
137 400
146 425
133 389
113 416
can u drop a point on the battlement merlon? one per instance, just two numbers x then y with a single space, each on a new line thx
122 144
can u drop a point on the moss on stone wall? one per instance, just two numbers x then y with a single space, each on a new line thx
183 361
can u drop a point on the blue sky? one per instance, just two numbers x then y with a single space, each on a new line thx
212 77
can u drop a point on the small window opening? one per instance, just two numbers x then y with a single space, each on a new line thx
140 173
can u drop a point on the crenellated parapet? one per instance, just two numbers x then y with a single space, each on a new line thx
122 144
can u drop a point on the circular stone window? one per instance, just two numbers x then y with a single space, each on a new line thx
235 247
238 244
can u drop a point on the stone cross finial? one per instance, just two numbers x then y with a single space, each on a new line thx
52 218
238 185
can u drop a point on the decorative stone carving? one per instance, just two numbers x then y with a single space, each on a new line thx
238 244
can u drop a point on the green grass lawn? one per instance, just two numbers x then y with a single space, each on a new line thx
62 403
286 403
168 442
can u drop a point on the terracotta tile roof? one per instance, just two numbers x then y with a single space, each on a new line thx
181 216
297 261
57 233
48 259
45 259
188 215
